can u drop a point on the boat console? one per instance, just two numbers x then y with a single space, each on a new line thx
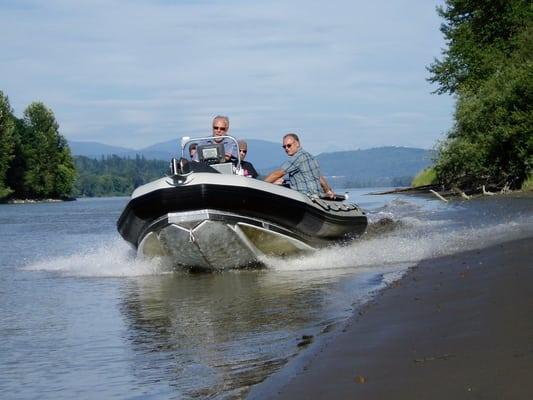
211 153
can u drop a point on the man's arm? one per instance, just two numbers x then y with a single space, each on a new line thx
326 188
274 176
230 151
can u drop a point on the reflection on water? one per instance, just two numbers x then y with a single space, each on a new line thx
221 333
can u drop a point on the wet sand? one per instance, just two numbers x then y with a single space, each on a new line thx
456 327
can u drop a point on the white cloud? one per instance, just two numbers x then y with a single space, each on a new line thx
133 73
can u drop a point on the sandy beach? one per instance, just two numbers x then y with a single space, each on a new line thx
456 327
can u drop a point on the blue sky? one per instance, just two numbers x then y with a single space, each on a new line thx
341 74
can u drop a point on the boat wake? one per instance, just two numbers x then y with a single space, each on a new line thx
112 259
401 242
399 235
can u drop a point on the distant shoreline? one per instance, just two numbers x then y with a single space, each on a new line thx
434 190
34 201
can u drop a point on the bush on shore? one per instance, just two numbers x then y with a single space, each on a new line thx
427 176
528 183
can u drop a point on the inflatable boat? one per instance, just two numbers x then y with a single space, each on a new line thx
205 215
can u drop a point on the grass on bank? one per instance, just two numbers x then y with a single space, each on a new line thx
527 185
427 176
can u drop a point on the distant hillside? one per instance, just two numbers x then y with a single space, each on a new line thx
99 150
262 153
382 166
94 149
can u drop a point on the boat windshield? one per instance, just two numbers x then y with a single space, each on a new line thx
208 150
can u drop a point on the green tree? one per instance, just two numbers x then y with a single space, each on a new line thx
480 36
7 143
49 168
65 170
15 173
488 65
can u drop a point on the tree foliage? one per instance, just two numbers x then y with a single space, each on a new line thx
35 160
7 144
114 176
49 169
488 65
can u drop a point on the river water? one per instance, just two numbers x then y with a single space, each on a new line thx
81 317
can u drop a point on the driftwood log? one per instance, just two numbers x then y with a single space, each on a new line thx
486 192
442 193
438 195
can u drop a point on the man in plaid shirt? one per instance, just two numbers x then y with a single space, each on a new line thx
302 169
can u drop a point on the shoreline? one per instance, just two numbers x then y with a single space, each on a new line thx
458 326
36 201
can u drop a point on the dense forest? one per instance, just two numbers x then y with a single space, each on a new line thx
114 176
487 65
35 160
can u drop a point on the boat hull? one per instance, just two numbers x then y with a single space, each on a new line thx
216 222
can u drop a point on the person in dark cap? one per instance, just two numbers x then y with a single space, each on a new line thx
246 166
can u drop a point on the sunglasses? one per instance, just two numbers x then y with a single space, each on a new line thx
287 146
243 151
219 128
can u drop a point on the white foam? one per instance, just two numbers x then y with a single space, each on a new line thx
403 247
112 259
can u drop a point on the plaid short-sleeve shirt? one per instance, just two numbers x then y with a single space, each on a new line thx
304 172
